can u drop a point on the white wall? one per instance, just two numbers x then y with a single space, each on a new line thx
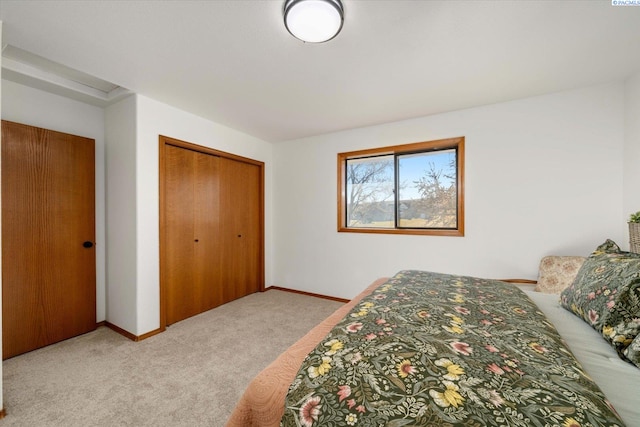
543 176
153 119
34 107
631 202
120 134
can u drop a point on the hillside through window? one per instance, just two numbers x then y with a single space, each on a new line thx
406 189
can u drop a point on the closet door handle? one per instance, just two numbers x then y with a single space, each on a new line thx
87 244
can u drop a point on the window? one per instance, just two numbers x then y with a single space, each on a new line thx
406 189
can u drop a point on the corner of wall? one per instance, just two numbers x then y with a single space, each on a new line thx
120 151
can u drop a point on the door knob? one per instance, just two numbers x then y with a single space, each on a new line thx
87 244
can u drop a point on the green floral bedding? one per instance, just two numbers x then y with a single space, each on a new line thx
428 349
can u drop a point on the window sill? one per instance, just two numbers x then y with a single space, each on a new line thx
414 231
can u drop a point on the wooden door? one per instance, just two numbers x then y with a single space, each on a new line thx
241 229
211 228
191 225
48 237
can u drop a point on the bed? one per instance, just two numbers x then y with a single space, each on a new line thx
485 353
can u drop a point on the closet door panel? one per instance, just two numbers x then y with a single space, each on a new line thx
240 199
192 247
179 230
207 287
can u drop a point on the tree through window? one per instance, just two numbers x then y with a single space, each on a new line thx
408 189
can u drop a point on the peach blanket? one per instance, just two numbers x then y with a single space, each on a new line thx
262 404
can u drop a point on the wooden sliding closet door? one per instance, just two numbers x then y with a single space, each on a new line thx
48 233
212 228
192 247
240 195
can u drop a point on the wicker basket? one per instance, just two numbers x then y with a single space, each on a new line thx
634 237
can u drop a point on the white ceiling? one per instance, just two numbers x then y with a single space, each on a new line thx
233 62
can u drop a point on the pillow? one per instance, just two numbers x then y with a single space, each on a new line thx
557 272
632 353
606 294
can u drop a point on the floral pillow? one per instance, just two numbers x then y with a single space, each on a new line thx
606 294
557 272
632 353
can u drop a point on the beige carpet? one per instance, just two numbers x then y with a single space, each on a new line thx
190 375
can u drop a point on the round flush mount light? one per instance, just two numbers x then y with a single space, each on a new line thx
313 21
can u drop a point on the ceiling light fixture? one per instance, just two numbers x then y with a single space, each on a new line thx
313 21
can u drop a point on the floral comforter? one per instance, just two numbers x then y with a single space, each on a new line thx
428 349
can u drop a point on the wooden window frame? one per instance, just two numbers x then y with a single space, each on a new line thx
441 144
